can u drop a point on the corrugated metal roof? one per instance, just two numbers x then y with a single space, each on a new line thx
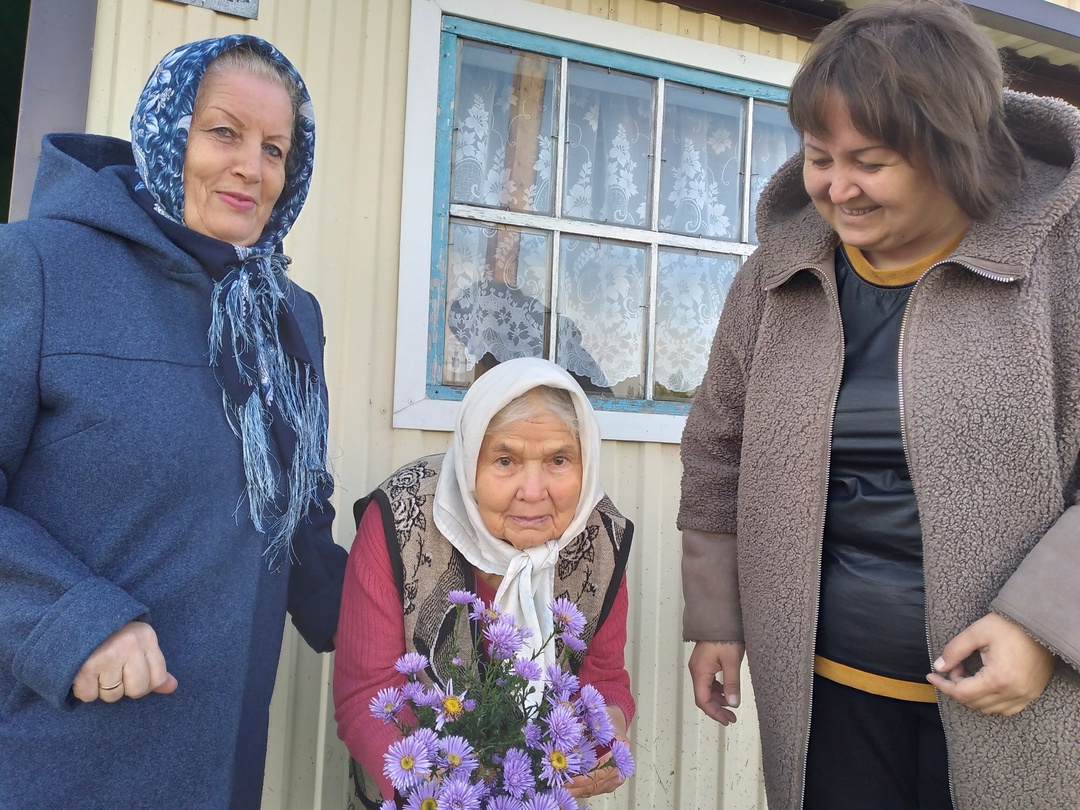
1033 29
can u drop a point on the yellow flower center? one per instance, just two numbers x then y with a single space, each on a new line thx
558 760
429 804
452 706
388 706
453 759
407 762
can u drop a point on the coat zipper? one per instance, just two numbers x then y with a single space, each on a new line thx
1000 277
832 292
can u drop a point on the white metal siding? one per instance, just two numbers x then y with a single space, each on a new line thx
352 53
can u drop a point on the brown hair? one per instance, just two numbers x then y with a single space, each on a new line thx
920 77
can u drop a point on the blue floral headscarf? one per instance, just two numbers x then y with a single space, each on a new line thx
270 388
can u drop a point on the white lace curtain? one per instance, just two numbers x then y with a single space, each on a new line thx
499 278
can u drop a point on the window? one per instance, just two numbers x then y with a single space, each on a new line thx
589 205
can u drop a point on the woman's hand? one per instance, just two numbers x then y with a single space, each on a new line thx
716 698
602 779
1014 672
128 663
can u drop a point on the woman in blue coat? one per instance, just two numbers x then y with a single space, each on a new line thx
163 482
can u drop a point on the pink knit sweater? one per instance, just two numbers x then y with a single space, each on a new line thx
371 638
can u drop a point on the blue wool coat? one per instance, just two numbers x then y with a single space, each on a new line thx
120 486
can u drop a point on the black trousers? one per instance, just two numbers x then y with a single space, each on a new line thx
869 752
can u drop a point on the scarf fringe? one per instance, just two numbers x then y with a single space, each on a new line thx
248 301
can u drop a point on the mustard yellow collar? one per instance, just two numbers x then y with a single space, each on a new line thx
899 276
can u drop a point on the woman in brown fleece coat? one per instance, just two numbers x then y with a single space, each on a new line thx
882 464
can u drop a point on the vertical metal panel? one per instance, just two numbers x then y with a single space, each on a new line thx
55 83
353 55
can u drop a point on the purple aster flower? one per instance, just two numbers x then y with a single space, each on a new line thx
423 797
540 801
455 754
533 735
484 613
428 696
563 683
558 766
387 703
429 739
562 796
407 763
389 804
587 753
622 758
460 794
573 642
528 669
461 597
505 638
599 728
411 663
593 713
502 803
517 773
449 705
590 701
412 691
567 616
564 729
470 704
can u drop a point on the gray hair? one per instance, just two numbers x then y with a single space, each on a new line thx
556 400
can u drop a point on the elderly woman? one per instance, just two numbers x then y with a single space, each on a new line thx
515 513
162 499
881 469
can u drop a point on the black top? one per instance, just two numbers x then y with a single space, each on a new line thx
872 613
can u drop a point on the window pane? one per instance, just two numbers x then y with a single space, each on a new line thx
774 142
601 325
503 128
497 298
608 146
701 182
691 288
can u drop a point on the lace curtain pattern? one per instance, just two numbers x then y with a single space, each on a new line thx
486 314
500 277
608 147
503 130
703 158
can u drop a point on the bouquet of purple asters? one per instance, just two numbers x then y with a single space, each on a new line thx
492 742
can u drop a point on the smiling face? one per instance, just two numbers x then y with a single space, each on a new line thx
234 166
877 201
528 479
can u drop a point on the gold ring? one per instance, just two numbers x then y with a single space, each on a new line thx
116 685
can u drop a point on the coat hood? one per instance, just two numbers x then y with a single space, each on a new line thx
80 179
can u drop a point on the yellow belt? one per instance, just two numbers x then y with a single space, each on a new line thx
874 684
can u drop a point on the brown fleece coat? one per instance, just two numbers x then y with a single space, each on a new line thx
990 409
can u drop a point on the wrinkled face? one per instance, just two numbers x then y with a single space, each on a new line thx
528 480
895 213
234 166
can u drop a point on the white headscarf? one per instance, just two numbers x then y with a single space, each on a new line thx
528 576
